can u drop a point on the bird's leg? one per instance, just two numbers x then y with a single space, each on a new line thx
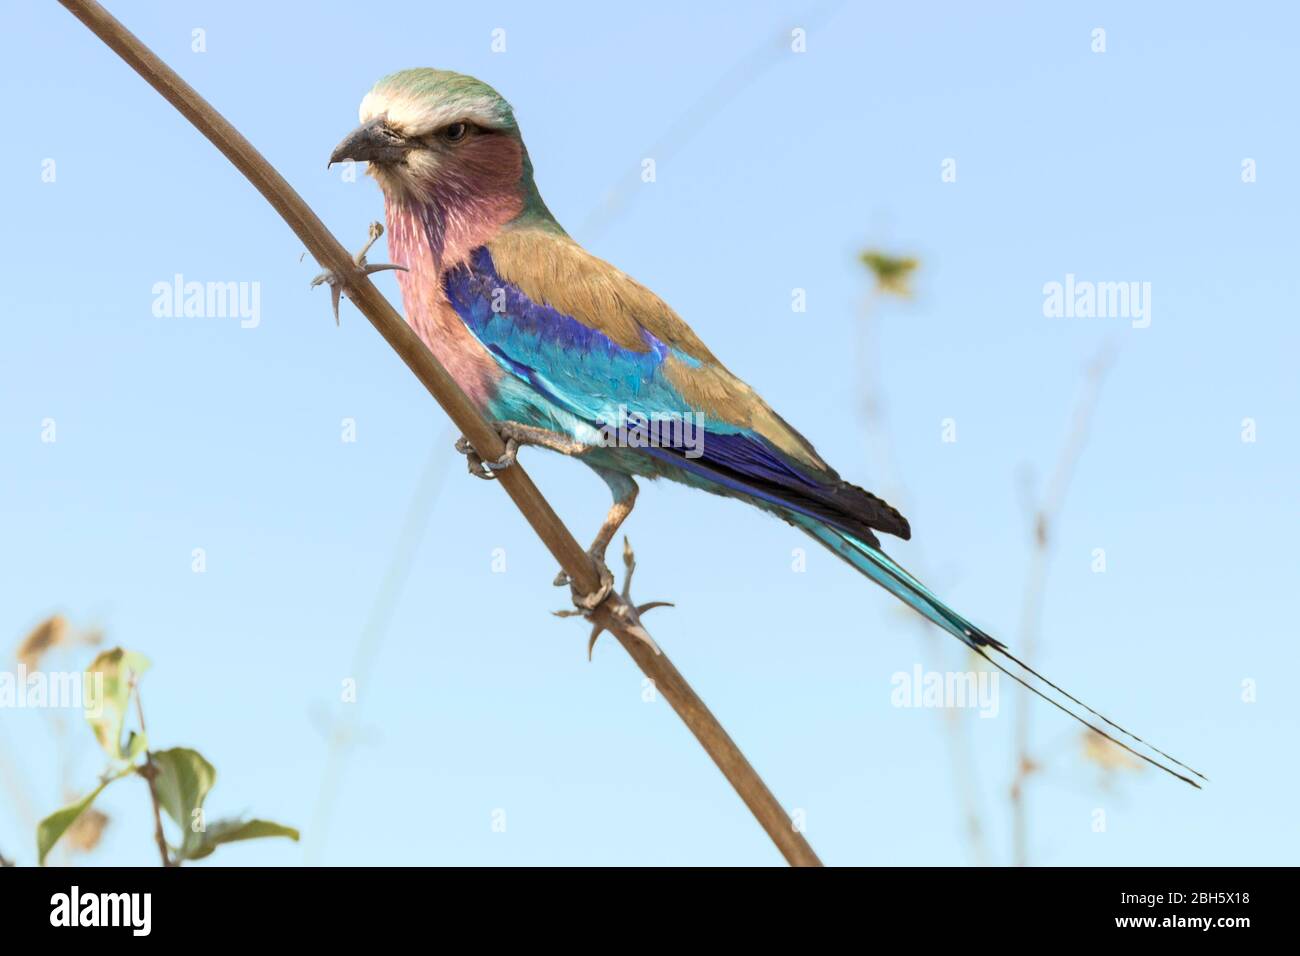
337 284
618 513
624 490
515 435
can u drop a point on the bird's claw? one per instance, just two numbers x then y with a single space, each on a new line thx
622 608
487 469
338 285
584 604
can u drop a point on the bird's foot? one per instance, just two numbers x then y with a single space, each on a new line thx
621 606
338 284
516 435
597 554
584 604
487 469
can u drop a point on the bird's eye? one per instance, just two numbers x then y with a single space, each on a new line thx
455 132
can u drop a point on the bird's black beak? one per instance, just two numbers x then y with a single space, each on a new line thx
374 142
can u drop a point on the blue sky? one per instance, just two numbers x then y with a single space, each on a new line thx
773 169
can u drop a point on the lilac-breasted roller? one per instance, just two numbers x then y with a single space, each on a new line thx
564 351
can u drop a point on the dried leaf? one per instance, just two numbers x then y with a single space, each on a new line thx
48 634
85 832
117 668
1110 758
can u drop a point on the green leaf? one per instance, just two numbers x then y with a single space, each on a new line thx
108 703
56 824
230 831
182 783
893 273
136 744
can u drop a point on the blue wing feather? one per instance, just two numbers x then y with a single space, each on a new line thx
572 370
576 367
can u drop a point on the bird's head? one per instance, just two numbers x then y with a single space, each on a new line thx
445 139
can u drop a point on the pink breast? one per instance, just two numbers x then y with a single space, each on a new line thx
427 310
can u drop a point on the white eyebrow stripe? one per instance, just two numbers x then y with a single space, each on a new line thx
415 118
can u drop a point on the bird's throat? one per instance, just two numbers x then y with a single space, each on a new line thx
419 238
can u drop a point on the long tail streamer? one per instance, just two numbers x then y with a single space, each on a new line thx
883 570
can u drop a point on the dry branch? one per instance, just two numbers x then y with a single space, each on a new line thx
482 436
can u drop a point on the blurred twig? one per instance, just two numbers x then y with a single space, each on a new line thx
614 614
1043 518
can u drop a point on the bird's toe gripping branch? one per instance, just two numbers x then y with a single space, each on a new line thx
515 435
620 605
338 284
487 469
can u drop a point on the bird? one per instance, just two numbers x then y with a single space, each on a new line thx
563 351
